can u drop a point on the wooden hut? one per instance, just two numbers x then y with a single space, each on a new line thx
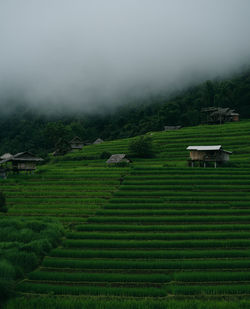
24 161
98 141
76 143
118 158
219 115
204 154
171 128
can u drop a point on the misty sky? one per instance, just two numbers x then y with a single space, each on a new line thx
92 53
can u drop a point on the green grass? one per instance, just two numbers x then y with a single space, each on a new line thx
98 277
100 244
179 264
172 212
170 219
151 254
219 276
163 228
30 287
236 289
157 236
58 302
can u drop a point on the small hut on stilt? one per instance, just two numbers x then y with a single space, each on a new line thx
202 155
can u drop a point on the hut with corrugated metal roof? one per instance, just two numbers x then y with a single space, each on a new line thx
118 158
204 154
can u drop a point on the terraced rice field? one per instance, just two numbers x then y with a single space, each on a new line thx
71 191
156 229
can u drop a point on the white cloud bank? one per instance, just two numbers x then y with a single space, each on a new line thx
91 53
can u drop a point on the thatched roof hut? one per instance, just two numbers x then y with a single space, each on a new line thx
213 115
23 161
76 143
98 141
118 158
6 156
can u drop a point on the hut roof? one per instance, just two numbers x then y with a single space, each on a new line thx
116 158
208 148
169 128
209 109
6 156
204 148
98 141
76 139
25 156
222 111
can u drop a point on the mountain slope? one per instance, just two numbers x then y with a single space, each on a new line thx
159 229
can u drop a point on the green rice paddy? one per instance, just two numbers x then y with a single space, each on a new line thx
156 229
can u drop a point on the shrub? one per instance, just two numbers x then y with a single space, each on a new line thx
122 164
7 276
141 147
39 247
23 242
26 261
7 271
105 155
3 207
6 289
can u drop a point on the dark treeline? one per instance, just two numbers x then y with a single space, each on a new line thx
25 129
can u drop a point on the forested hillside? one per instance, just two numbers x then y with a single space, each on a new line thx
26 129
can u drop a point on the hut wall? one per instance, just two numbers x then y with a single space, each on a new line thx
3 175
76 146
197 155
26 166
219 156
224 156
236 118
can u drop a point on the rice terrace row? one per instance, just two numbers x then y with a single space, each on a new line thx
155 228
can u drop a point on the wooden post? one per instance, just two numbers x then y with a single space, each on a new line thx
204 164
215 164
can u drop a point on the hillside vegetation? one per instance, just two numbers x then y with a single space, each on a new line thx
154 229
27 129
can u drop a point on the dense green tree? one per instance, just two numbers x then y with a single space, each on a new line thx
141 147
3 207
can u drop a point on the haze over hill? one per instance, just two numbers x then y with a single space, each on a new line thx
87 54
